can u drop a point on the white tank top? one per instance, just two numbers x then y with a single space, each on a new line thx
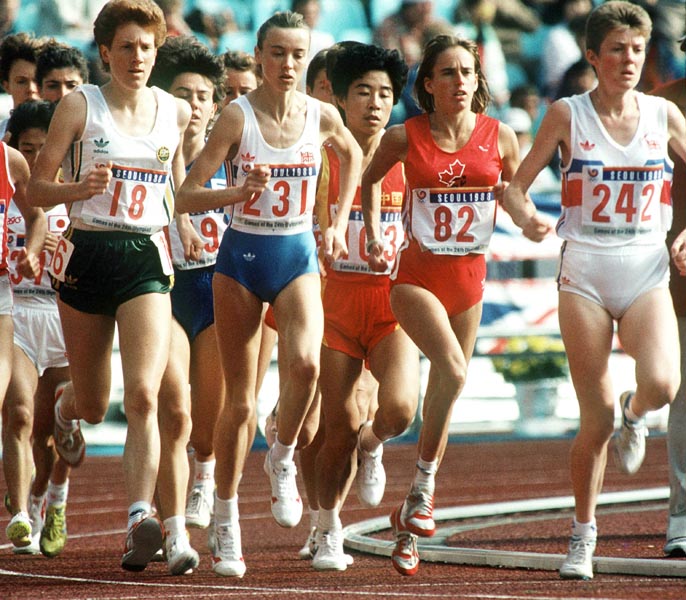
140 195
285 207
37 290
613 195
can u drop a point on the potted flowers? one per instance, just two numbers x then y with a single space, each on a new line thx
535 364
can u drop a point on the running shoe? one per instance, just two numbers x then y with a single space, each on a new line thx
37 517
227 554
69 443
287 506
371 475
308 551
579 561
53 537
19 530
199 506
630 443
405 557
181 558
143 540
418 513
329 555
675 547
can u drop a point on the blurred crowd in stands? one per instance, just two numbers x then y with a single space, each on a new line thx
532 50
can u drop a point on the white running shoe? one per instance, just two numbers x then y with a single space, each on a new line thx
329 555
37 517
69 443
371 476
308 551
199 507
675 547
143 540
630 443
227 554
287 506
405 556
181 558
418 513
19 530
579 561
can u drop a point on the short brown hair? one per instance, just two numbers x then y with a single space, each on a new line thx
116 13
19 46
616 14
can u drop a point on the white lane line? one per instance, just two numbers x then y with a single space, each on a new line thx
243 592
356 539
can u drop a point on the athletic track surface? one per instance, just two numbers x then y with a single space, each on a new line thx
472 474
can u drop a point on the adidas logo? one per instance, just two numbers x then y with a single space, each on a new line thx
587 145
101 146
249 256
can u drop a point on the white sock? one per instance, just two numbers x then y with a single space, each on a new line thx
66 424
203 473
174 526
136 508
584 529
314 518
225 511
367 438
282 453
630 415
425 476
328 519
57 493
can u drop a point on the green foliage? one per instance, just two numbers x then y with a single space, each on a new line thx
530 358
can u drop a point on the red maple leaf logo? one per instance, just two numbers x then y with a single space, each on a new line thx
453 175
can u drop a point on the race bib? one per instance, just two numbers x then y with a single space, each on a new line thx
453 220
622 201
61 258
160 240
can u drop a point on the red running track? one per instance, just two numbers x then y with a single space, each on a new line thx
472 473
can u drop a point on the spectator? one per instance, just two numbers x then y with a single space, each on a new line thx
474 20
520 121
404 30
561 48
310 9
529 98
664 61
579 78
173 17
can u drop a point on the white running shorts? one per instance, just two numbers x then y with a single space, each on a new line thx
614 280
38 332
5 295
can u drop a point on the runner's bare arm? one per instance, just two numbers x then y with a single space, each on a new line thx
222 144
66 127
350 156
392 148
